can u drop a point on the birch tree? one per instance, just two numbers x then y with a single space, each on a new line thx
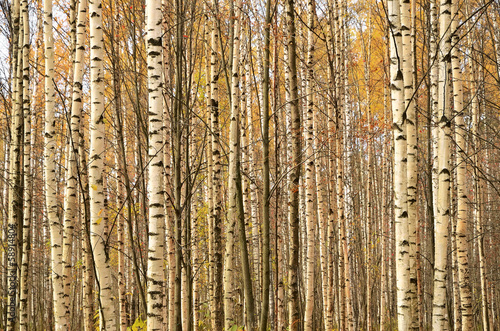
295 158
229 166
217 302
70 201
50 172
439 312
310 173
177 112
266 263
155 180
28 173
236 210
434 77
339 138
411 152
400 167
98 213
233 213
461 170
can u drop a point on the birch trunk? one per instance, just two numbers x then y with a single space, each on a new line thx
88 265
70 201
229 294
339 131
197 258
346 152
295 155
5 214
461 171
120 220
457 316
15 203
400 169
237 198
98 212
266 263
415 228
13 185
254 205
309 173
246 255
156 147
50 173
322 223
411 149
439 311
177 116
384 226
167 163
478 212
28 176
216 212
234 151
369 206
332 295
122 181
434 77
248 168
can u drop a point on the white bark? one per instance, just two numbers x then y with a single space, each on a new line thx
347 153
384 226
234 163
310 174
50 172
332 259
477 185
70 201
434 72
253 206
167 163
28 176
369 207
217 309
14 194
478 189
294 181
156 233
400 169
411 149
120 238
98 212
439 311
88 266
341 217
5 211
325 255
461 171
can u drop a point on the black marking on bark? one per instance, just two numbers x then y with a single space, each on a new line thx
154 41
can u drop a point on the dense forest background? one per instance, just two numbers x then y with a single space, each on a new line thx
234 164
